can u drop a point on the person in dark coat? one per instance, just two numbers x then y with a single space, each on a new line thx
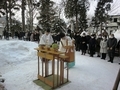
83 44
77 41
98 45
88 37
92 45
111 45
119 48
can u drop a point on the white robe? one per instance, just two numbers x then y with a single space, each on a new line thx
46 40
64 41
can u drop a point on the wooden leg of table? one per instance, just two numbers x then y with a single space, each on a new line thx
42 67
53 73
62 72
38 66
61 68
67 71
57 72
46 67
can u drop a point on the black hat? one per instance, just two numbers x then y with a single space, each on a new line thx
62 35
48 30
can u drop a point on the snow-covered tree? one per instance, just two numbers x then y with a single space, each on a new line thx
100 12
47 14
77 9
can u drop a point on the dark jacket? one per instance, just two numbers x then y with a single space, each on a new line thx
92 44
98 44
83 43
111 43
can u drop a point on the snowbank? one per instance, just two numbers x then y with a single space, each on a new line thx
18 65
13 52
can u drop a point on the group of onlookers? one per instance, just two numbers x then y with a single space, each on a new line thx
91 44
101 44
22 35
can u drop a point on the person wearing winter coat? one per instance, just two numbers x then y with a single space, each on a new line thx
111 45
92 45
77 41
103 47
83 44
98 45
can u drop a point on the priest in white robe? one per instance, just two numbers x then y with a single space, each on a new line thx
46 39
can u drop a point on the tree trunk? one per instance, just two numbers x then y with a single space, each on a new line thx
7 21
31 8
10 15
23 15
76 22
101 28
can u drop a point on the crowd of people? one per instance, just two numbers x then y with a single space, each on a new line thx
22 35
101 44
92 44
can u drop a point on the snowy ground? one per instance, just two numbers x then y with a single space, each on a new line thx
18 65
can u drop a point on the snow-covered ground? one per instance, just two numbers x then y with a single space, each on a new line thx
18 65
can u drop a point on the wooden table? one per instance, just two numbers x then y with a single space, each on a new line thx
50 54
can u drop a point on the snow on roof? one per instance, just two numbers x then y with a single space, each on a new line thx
112 25
117 34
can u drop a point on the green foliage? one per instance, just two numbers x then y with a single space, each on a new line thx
55 46
83 17
74 7
100 13
77 9
47 14
58 25
16 26
71 8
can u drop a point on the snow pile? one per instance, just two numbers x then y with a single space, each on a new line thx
18 65
13 52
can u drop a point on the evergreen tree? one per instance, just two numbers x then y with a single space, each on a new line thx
73 8
59 25
47 14
6 9
83 16
100 13
23 14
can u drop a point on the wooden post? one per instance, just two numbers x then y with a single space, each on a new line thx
57 71
42 68
38 64
67 71
117 81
